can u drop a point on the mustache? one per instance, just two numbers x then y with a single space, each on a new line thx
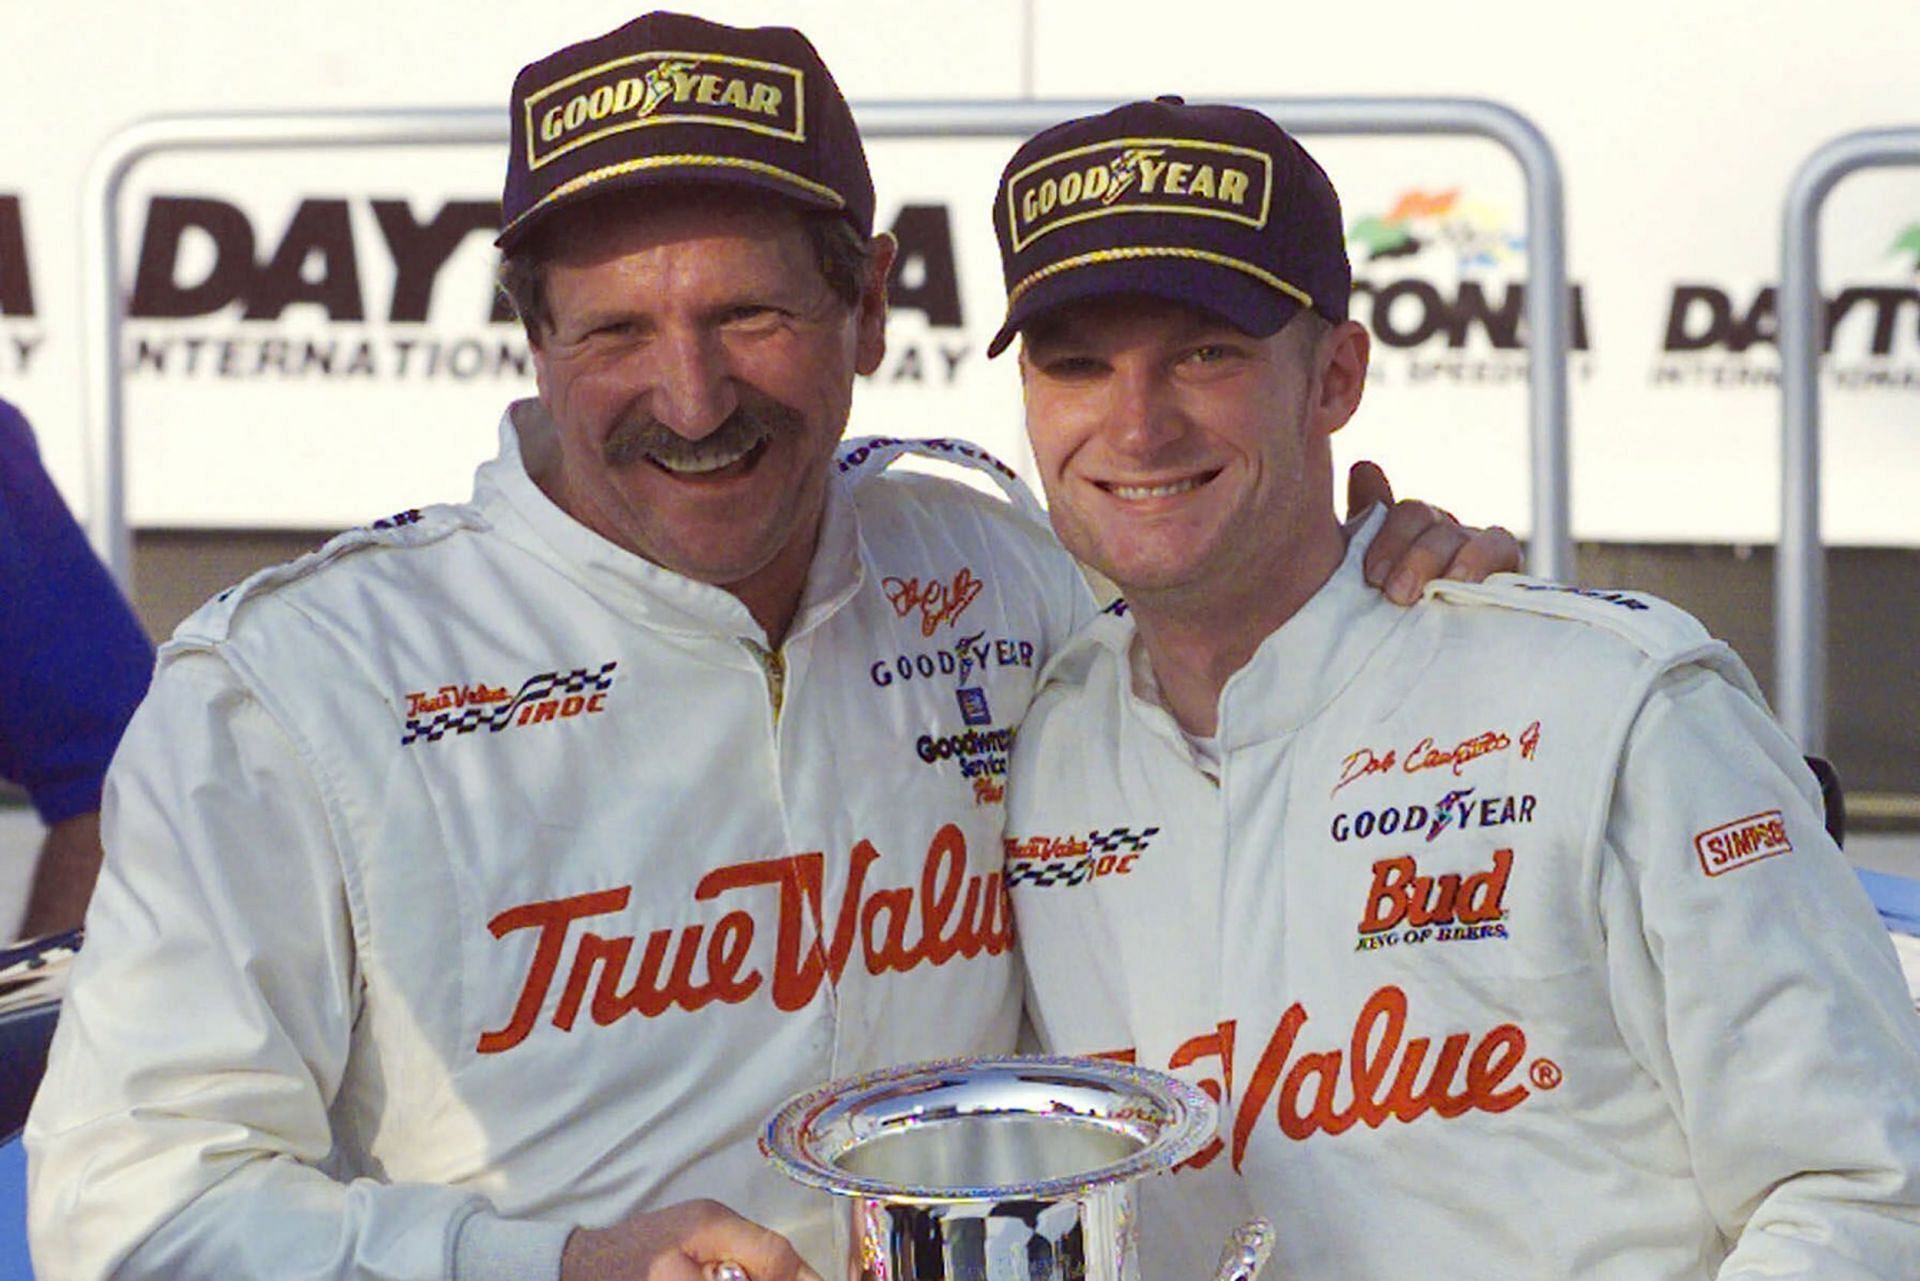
639 436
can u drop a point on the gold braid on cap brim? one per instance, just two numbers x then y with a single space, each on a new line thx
1158 251
681 161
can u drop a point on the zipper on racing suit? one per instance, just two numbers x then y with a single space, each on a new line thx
774 668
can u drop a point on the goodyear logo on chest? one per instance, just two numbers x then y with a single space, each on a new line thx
1139 175
664 88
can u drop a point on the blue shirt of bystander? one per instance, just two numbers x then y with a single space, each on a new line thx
74 661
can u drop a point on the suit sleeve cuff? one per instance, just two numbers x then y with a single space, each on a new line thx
487 1247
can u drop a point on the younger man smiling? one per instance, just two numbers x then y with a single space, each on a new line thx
1506 927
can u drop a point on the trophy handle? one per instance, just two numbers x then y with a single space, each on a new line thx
1246 1251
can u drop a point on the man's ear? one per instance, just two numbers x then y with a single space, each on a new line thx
538 350
1341 357
871 341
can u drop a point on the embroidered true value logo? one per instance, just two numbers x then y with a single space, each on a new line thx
1045 861
462 709
1382 1075
449 697
950 913
1139 175
1380 1071
661 88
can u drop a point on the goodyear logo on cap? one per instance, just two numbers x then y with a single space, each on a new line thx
1139 175
661 88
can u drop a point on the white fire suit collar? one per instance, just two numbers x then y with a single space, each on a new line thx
1321 648
504 488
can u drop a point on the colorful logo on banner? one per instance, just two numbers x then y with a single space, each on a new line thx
1473 232
1440 279
1907 246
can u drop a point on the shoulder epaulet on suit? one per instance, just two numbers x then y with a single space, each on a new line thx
1650 624
211 623
861 458
1108 632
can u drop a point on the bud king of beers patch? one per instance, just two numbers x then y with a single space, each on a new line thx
1743 841
662 88
1139 175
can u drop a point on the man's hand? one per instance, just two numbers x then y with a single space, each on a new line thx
1419 542
682 1242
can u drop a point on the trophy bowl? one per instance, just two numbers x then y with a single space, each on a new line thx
990 1169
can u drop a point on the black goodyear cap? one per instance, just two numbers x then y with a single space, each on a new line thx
672 98
1215 206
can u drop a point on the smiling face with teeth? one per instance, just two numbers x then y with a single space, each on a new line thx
699 369
1189 461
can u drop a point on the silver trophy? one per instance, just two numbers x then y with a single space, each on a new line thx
998 1169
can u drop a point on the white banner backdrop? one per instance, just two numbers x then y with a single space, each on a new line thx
314 341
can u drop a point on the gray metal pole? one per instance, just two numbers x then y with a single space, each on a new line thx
1546 292
1800 588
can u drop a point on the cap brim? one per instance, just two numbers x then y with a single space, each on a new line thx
1249 305
730 174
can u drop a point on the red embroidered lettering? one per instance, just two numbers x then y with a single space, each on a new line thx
937 602
1426 756
1391 894
940 879
1743 841
1399 895
552 919
1309 1085
889 951
796 979
1266 1074
1217 1044
1360 764
948 913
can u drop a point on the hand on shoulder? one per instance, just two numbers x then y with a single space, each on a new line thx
1420 542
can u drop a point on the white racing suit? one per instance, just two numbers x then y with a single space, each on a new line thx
1507 929
473 878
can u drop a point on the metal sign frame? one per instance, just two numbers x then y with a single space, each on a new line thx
1799 571
1551 545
